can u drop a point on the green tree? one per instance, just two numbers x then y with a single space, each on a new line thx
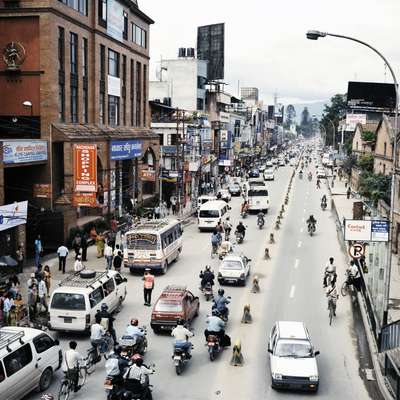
334 111
375 186
366 162
368 136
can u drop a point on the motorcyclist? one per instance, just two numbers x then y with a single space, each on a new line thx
318 184
330 270
216 326
332 294
107 321
310 175
245 207
225 248
136 377
241 229
206 276
323 200
221 303
311 221
301 174
116 365
227 228
134 331
181 335
261 216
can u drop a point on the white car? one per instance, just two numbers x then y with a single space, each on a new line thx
282 163
261 168
274 161
321 173
234 269
292 162
292 357
269 164
269 175
225 195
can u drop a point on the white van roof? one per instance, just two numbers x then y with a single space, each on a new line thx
77 281
157 225
11 335
213 205
292 330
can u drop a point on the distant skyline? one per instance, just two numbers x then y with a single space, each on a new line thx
266 45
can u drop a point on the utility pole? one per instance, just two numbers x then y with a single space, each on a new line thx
178 159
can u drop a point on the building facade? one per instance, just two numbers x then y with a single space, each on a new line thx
75 96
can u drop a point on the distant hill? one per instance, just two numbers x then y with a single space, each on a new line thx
314 108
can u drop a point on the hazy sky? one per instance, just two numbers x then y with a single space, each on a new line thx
265 44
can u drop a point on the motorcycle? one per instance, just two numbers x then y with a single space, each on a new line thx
130 345
260 222
208 291
180 357
214 346
239 237
300 175
311 228
224 315
323 205
310 177
139 391
243 214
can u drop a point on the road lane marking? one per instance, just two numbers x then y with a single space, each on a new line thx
299 244
292 290
304 220
304 211
302 229
296 263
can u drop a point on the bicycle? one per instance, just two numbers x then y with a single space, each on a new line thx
347 286
67 384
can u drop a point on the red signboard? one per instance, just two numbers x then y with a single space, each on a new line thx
42 190
85 167
148 176
84 200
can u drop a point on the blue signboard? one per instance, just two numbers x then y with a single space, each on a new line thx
125 149
380 231
24 151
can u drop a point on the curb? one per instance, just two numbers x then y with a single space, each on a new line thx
380 379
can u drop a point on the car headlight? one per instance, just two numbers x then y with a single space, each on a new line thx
314 378
276 376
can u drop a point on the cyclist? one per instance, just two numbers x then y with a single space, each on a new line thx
330 272
71 364
227 228
332 295
215 241
353 275
97 333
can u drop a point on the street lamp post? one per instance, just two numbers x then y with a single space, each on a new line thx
315 35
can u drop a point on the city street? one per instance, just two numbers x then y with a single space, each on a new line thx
291 289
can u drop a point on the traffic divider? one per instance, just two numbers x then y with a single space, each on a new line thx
246 318
237 356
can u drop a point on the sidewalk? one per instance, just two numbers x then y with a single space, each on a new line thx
343 208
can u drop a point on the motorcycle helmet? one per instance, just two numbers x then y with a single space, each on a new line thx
208 268
118 350
221 292
104 307
180 321
139 361
134 322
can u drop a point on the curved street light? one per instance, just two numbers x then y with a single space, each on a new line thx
315 35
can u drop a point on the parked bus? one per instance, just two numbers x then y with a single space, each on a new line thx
153 244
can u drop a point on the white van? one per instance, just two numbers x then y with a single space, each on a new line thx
211 213
74 303
28 359
258 198
203 199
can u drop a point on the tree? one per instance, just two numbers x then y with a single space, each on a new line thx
375 187
334 111
306 123
366 162
368 136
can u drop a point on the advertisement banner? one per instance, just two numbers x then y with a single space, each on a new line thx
353 119
85 167
380 231
147 175
12 215
125 149
24 151
84 200
42 190
366 230
115 19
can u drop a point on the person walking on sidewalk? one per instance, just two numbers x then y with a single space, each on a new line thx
84 246
20 256
173 204
118 261
76 244
100 243
38 250
78 266
108 254
42 292
32 295
148 286
348 192
47 278
62 252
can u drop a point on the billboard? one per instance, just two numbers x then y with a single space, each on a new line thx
371 96
211 47
353 119
85 167
366 230
24 151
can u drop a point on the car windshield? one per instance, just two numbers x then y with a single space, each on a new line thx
168 306
68 301
231 264
293 348
257 193
142 241
209 214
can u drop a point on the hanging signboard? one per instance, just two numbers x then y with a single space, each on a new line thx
12 215
125 149
84 200
85 167
24 151
353 119
147 175
42 190
366 230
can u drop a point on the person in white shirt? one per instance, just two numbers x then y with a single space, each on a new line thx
42 292
181 335
70 366
330 272
62 252
7 304
353 274
332 295
97 333
116 250
138 371
108 254
78 266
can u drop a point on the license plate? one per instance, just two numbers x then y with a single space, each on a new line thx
177 358
108 387
68 320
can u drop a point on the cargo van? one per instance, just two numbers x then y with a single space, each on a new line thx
28 359
74 303
211 213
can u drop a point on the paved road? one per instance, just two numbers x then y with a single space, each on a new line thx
290 289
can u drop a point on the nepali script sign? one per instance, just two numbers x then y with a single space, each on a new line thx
125 149
366 230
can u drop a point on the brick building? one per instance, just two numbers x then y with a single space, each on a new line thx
74 90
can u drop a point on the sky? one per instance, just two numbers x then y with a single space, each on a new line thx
266 47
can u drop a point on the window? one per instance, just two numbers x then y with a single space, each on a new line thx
68 301
78 5
96 297
61 48
102 62
132 92
74 104
113 63
144 93
61 102
102 106
85 105
73 52
384 149
113 110
138 36
123 99
200 104
119 279
108 287
125 32
18 359
2 375
84 57
43 343
102 8
138 92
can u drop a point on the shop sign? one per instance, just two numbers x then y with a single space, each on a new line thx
168 150
353 119
194 166
12 215
366 230
24 151
84 200
148 175
224 117
85 167
42 190
125 149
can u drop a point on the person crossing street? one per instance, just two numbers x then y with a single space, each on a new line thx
148 286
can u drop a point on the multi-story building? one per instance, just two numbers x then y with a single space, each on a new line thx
74 118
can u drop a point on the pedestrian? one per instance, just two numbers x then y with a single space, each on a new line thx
108 254
8 302
348 192
38 249
118 261
157 212
100 243
173 204
32 294
13 286
20 256
20 307
111 238
84 246
42 293
114 224
148 286
62 252
47 278
78 266
39 271
76 244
